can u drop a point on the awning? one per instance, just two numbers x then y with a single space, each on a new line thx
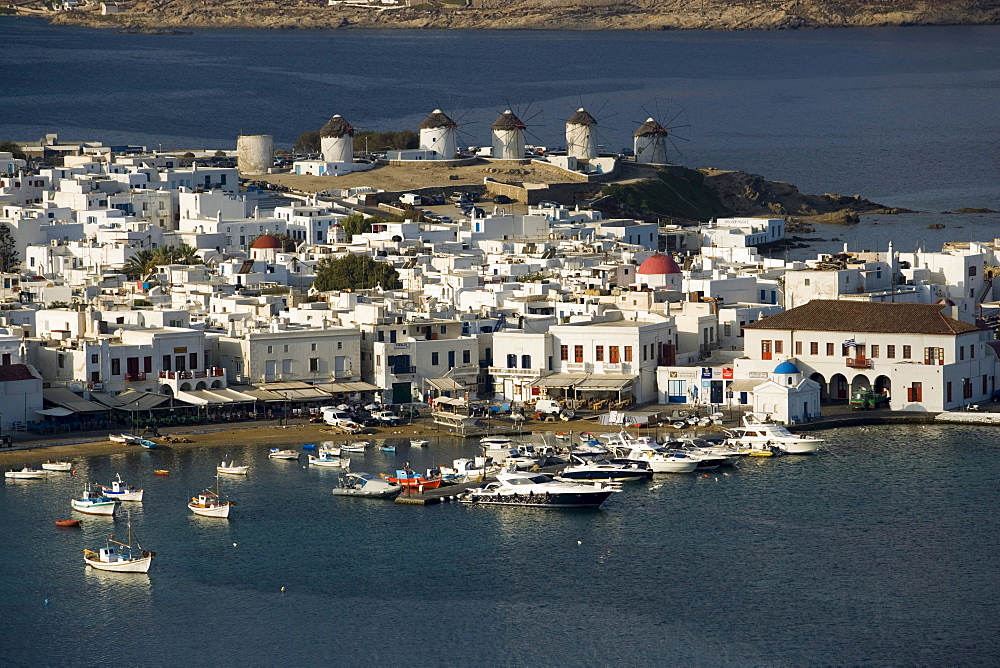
58 411
559 380
745 384
599 381
233 395
296 391
445 384
355 386
67 399
137 400
257 393
202 398
106 399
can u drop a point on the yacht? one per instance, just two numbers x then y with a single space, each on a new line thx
761 433
597 469
535 490
661 460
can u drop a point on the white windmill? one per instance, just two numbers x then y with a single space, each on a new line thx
336 140
440 134
581 135
650 143
508 137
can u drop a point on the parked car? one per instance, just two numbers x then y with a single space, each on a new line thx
444 219
386 418
455 197
501 199
472 197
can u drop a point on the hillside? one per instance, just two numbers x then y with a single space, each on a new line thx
536 14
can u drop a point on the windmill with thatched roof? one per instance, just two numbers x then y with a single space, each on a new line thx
439 133
508 137
337 140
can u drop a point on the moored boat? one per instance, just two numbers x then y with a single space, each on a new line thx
412 480
119 490
535 490
58 466
355 446
328 457
163 472
26 473
232 469
388 448
761 434
276 453
68 523
367 486
120 557
209 504
418 442
93 503
595 468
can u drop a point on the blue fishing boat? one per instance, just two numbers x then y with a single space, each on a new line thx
388 448
146 443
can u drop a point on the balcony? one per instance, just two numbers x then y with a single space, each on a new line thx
343 373
859 363
402 370
135 377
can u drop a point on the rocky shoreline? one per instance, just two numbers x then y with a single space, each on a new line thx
533 15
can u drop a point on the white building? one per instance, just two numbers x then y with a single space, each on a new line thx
787 396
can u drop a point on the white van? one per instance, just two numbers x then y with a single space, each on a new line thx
410 198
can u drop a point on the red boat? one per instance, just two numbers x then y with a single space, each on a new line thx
408 479
67 523
161 472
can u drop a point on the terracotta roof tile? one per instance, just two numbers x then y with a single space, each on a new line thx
830 315
10 372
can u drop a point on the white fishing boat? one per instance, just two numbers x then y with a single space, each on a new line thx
93 503
466 470
762 434
366 485
119 490
355 446
58 466
418 442
276 453
27 473
535 490
122 438
328 457
232 469
120 557
210 504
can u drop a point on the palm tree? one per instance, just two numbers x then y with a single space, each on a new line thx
141 264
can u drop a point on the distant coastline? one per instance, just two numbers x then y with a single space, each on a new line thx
515 15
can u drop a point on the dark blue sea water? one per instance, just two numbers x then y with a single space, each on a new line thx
901 115
881 551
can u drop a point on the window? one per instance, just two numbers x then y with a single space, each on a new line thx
340 345
466 356
806 282
966 388
890 352
511 361
628 353
444 329
972 351
947 392
829 350
392 336
147 364
270 349
907 352
312 347
578 354
599 353
93 359
435 359
915 392
798 347
116 367
62 360
166 362
779 347
727 329
313 364
814 348
564 353
286 347
525 361
613 354
765 350
874 351
972 271
961 352
193 359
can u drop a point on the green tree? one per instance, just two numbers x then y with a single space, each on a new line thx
356 223
11 147
140 265
10 261
390 140
354 272
308 142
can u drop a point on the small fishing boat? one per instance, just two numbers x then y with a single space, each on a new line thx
122 438
146 443
308 446
163 472
412 480
93 503
355 446
328 457
388 448
27 473
67 523
210 504
119 490
366 485
232 469
120 557
563 435
275 453
418 442
58 466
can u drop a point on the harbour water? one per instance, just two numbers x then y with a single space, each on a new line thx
880 551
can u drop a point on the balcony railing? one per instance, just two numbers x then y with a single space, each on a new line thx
135 377
859 363
214 372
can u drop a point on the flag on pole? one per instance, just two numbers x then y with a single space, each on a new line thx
850 343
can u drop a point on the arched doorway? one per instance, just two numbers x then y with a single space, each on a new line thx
860 382
167 390
883 385
824 391
839 388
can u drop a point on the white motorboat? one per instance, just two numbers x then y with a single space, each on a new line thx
64 467
661 461
418 442
120 557
355 446
328 457
93 503
276 453
728 455
119 490
210 504
27 473
535 490
366 485
466 470
594 468
232 469
496 443
761 433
